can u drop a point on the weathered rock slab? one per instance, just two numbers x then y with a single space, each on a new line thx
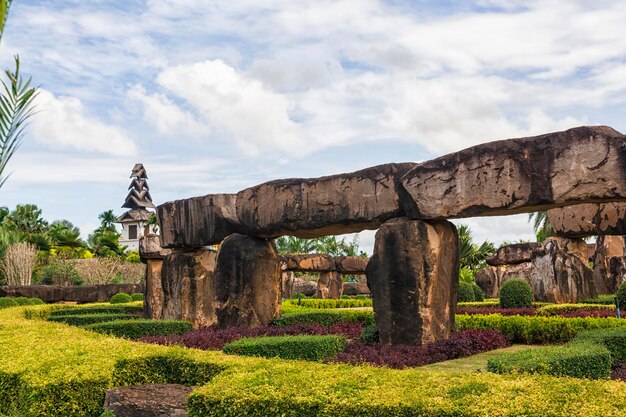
580 165
413 278
152 400
150 248
82 294
351 264
491 278
247 282
153 290
302 286
515 253
608 263
329 285
189 287
198 221
584 220
287 278
308 262
355 288
314 207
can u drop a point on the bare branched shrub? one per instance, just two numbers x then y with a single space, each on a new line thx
97 271
18 263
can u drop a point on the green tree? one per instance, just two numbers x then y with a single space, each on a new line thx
541 225
27 219
107 220
471 255
329 245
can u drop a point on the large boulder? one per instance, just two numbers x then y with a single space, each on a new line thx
247 282
152 400
308 262
580 165
303 286
314 207
491 278
591 219
413 278
515 253
355 288
558 276
198 221
150 248
329 285
608 263
189 287
351 264
287 278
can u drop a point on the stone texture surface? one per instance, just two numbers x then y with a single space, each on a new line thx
558 276
513 254
491 278
247 282
355 288
153 290
329 285
308 262
189 287
351 264
198 221
153 400
584 220
150 248
575 247
413 278
308 288
331 205
82 294
580 165
287 278
608 261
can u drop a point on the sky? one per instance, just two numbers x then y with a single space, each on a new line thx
217 96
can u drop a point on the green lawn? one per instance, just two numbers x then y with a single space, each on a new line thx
476 363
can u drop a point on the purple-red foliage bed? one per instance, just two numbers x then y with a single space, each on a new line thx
619 371
461 344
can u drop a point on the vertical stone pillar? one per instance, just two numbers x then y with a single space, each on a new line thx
247 282
152 255
413 278
329 285
287 284
189 287
609 267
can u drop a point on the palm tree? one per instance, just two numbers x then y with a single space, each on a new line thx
26 218
541 224
471 255
107 220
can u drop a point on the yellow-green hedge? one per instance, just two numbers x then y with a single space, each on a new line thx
50 369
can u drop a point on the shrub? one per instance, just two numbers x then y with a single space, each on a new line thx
466 292
370 334
621 296
319 303
312 348
18 263
6 302
578 359
23 301
535 329
36 301
478 293
134 329
497 310
606 299
298 295
137 296
60 272
121 298
461 344
326 317
86 319
516 293
561 309
98 309
612 339
103 270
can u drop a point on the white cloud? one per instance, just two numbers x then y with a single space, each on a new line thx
64 122
238 106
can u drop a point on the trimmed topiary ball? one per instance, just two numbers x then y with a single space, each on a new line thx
370 334
466 292
621 296
516 293
137 296
120 298
7 302
478 293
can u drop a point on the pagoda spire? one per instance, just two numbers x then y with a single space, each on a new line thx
138 197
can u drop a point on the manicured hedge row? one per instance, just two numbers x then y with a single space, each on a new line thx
319 303
535 329
312 348
558 309
607 299
495 303
326 317
99 309
612 339
86 319
578 359
136 328
6 302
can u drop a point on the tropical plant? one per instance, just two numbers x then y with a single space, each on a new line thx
153 223
541 225
329 245
471 255
107 220
27 219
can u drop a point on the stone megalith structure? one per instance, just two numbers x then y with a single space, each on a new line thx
152 254
560 273
247 282
580 165
188 287
315 207
329 285
609 263
413 279
584 220
287 278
